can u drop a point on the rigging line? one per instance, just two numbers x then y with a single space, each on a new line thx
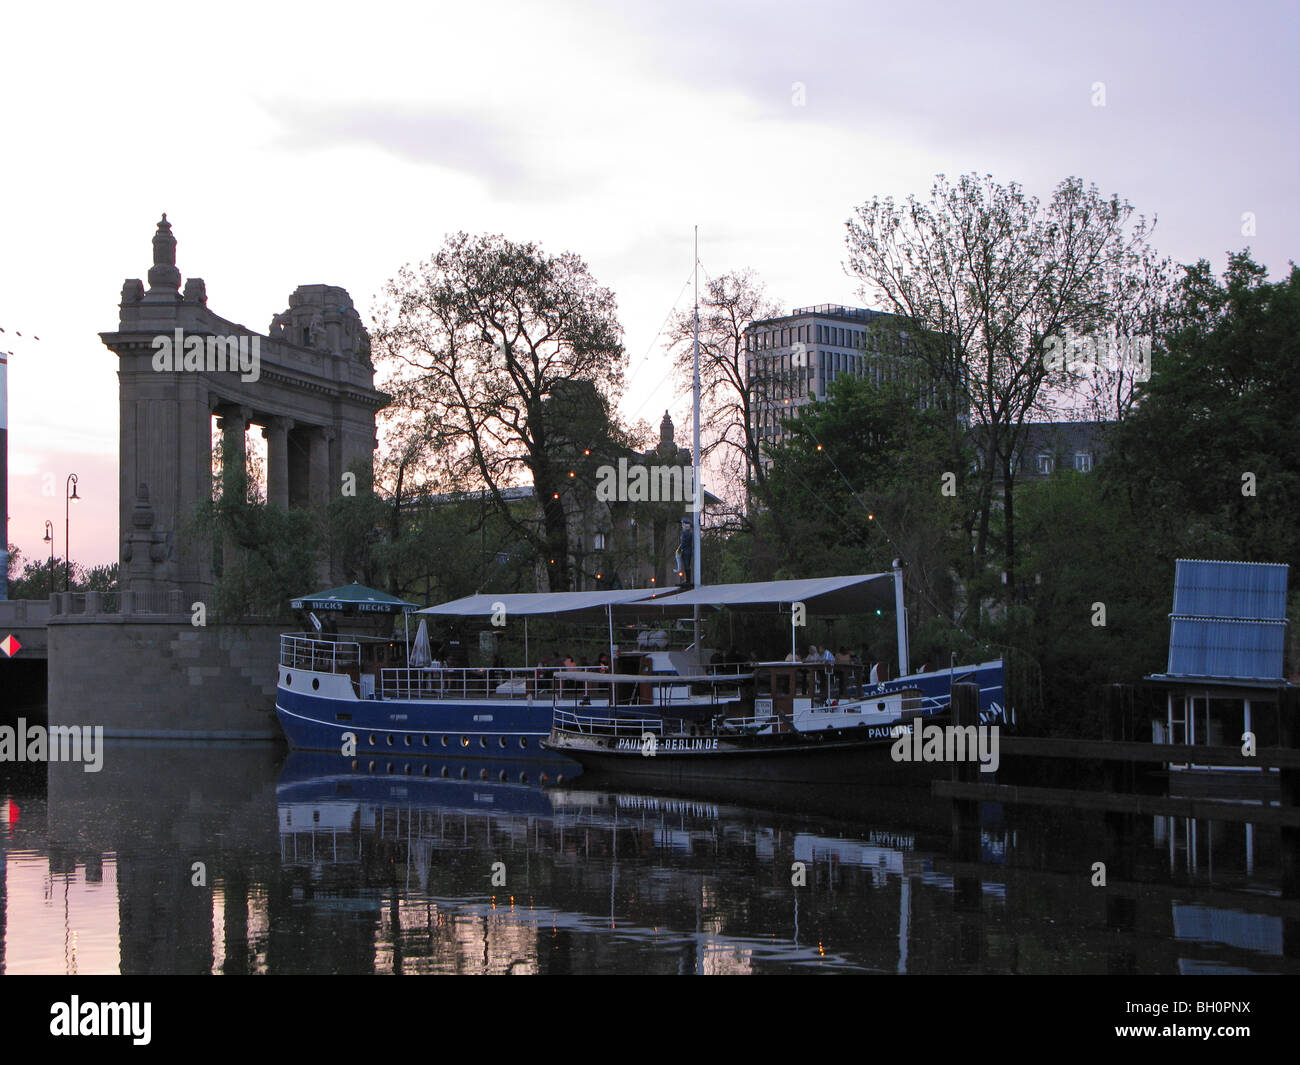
644 358
641 365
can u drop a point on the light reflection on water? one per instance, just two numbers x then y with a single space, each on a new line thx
192 858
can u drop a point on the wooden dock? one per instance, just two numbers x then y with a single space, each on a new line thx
1122 754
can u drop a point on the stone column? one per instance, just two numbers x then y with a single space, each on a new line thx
319 466
233 424
276 434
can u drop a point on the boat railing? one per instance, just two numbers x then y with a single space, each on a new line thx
912 702
754 723
607 725
301 650
663 690
442 682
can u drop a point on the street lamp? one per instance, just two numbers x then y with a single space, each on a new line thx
49 539
67 520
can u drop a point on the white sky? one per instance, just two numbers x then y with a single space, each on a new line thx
332 143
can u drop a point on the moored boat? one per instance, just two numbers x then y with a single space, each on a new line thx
816 720
360 693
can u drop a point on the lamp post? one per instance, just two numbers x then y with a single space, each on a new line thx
49 539
67 521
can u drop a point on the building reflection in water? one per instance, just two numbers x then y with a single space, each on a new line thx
211 858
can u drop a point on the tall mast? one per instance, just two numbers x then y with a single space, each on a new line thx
698 494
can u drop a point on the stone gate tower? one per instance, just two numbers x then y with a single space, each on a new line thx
308 384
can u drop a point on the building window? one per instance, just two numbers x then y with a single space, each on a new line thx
1045 463
598 542
1083 461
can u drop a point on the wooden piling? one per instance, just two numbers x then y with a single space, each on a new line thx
1288 737
965 813
1119 726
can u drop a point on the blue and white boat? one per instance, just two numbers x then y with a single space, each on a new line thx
339 691
813 719
372 697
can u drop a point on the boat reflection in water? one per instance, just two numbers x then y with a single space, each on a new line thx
462 872
480 875
313 866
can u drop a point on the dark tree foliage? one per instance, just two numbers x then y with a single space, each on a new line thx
1210 456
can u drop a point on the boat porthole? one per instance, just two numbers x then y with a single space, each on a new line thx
390 741
406 740
464 741
389 768
482 741
354 763
288 680
523 742
464 773
523 778
406 769
482 774
880 707
371 767
559 778
444 771
424 770
315 684
502 776
543 778
424 741
372 739
444 741
501 742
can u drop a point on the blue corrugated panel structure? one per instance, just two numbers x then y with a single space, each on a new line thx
1229 620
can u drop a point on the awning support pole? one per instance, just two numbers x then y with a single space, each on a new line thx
901 619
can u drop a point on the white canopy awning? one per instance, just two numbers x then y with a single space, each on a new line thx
534 604
830 595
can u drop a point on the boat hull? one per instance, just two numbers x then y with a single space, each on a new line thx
833 756
317 712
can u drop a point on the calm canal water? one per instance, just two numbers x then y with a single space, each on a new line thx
236 859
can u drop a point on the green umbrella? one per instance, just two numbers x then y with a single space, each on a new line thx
356 596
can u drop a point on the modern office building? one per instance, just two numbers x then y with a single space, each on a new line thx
792 361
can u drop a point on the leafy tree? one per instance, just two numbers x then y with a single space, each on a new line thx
34 581
1083 547
978 278
1209 455
275 551
861 478
730 393
477 340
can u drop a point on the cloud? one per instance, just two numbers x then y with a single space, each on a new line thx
484 148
